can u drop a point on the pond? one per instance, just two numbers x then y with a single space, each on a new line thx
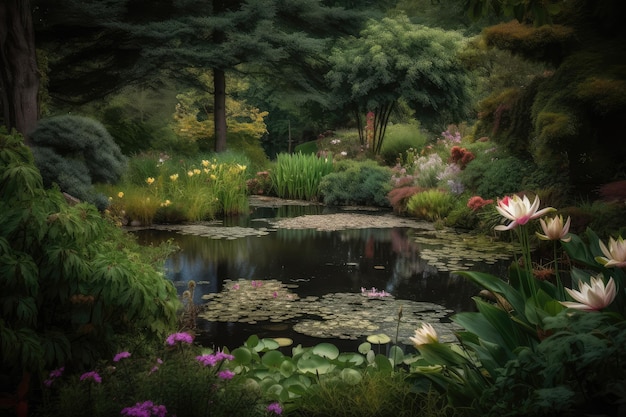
308 274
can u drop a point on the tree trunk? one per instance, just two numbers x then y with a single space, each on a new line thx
19 80
219 109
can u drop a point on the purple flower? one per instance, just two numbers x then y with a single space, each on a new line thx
211 360
91 375
207 360
226 374
275 408
145 409
179 337
120 356
57 373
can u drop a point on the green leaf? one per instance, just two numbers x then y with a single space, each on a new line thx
326 350
272 359
382 363
315 364
350 376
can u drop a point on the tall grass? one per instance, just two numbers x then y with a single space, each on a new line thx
298 175
180 190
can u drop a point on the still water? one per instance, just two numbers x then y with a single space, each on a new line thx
313 264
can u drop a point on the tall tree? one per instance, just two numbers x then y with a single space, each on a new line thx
19 81
394 59
117 42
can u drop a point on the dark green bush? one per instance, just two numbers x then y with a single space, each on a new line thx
75 152
398 139
491 176
365 183
71 281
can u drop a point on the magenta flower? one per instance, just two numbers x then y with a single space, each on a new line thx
54 374
145 409
91 375
179 337
226 374
121 356
57 373
275 408
213 359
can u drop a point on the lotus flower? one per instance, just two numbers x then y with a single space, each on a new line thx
424 335
615 254
554 229
519 210
592 297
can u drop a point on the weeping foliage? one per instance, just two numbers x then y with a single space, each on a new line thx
70 281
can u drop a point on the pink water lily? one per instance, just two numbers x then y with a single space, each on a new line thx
554 229
614 255
424 335
592 297
519 210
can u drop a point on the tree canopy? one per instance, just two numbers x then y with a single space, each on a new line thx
394 59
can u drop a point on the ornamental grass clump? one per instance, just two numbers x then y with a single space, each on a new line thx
298 175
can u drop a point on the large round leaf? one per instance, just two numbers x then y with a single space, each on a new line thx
326 350
272 359
378 339
315 365
352 359
242 355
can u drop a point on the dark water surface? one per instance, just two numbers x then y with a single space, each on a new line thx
318 262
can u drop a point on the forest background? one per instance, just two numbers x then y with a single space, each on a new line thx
543 80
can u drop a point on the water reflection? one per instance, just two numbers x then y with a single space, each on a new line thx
317 262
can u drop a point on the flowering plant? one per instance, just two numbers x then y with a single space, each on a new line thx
528 321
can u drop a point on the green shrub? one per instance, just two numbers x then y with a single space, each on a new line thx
75 152
431 205
364 183
491 176
398 139
71 281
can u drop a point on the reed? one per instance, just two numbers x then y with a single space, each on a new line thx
297 176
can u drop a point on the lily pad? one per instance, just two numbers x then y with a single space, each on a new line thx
378 339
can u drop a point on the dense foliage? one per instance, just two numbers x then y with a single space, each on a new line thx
71 281
361 183
76 152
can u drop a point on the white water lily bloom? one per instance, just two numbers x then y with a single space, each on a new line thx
519 210
614 255
554 229
424 335
593 296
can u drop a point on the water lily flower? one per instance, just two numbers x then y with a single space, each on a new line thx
554 229
614 255
519 210
424 335
592 297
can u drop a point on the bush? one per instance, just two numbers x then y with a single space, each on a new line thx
490 176
398 139
364 183
71 281
74 152
431 205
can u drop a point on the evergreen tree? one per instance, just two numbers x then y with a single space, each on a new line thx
95 47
